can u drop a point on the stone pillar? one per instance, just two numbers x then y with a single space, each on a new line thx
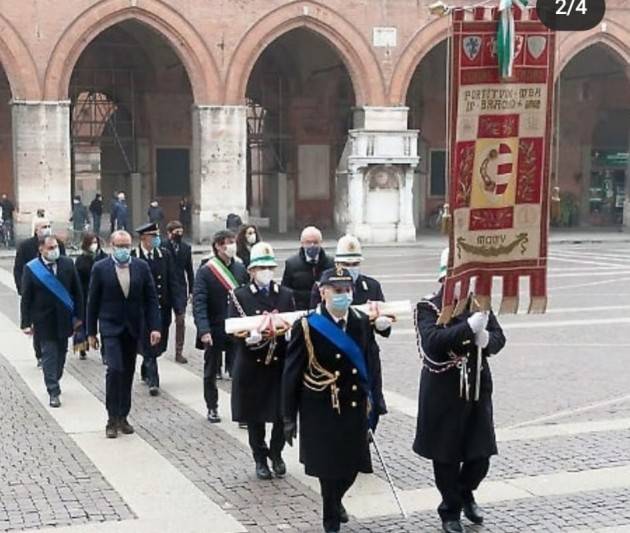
41 163
406 229
219 171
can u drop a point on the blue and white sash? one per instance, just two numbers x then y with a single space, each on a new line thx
50 281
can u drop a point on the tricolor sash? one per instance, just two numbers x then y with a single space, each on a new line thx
222 273
50 281
346 345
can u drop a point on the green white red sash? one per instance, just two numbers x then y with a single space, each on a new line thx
222 273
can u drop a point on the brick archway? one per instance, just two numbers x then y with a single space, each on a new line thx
178 32
18 64
615 37
424 40
362 64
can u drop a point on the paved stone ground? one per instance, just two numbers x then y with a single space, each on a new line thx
46 478
546 375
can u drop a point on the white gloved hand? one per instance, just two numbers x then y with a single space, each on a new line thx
478 321
254 338
482 338
382 323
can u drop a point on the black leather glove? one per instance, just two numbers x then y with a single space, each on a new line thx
290 430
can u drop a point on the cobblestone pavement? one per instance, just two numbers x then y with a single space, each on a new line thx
566 367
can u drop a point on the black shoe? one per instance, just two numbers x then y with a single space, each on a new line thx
125 427
452 526
179 358
473 512
219 376
262 470
242 425
213 416
111 429
154 390
82 355
278 467
330 527
343 515
54 400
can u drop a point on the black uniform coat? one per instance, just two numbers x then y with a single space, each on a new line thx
169 295
41 309
366 289
300 276
255 385
332 444
183 267
26 251
449 428
210 303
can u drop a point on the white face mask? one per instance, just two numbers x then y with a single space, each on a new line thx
230 249
93 247
251 238
263 277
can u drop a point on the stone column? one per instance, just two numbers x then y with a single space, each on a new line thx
41 162
219 171
406 230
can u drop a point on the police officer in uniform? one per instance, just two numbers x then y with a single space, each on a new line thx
365 289
327 381
257 370
170 297
455 428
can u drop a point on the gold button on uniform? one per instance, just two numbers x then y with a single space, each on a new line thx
354 387
258 360
275 358
354 404
337 373
354 370
338 356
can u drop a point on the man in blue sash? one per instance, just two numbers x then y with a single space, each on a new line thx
328 381
51 307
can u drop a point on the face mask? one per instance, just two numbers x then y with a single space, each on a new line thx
153 204
93 247
341 302
354 272
177 237
156 241
251 238
75 202
44 232
230 250
263 277
122 254
53 255
312 252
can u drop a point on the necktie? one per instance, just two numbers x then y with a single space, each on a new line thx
49 266
342 324
264 291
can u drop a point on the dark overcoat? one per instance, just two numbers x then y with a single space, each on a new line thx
255 384
210 303
300 276
451 428
332 444
182 257
40 309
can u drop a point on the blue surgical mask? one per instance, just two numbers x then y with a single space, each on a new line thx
341 302
312 252
354 272
53 255
156 241
122 254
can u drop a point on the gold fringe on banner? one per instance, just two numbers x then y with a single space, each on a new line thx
445 315
538 305
484 303
509 305
461 306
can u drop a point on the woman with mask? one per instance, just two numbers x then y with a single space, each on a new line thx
91 252
215 281
247 237
258 363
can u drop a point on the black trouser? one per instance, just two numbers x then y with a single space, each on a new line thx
36 346
210 391
256 433
121 365
229 358
149 371
456 483
333 491
53 362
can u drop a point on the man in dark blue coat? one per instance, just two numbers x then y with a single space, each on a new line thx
182 255
123 304
51 307
170 297
455 427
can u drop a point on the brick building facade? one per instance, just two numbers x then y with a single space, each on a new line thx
289 112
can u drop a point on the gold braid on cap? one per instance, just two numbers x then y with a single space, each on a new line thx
317 378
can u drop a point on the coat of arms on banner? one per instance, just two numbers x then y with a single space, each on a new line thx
499 161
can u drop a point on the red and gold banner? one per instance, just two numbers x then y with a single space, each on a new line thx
500 155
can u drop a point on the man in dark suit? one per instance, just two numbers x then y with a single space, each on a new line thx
51 306
214 283
170 297
27 251
302 270
455 428
182 254
123 304
257 373
327 380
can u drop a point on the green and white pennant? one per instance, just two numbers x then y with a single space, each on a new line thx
506 35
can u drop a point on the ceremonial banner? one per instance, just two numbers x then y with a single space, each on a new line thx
500 142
